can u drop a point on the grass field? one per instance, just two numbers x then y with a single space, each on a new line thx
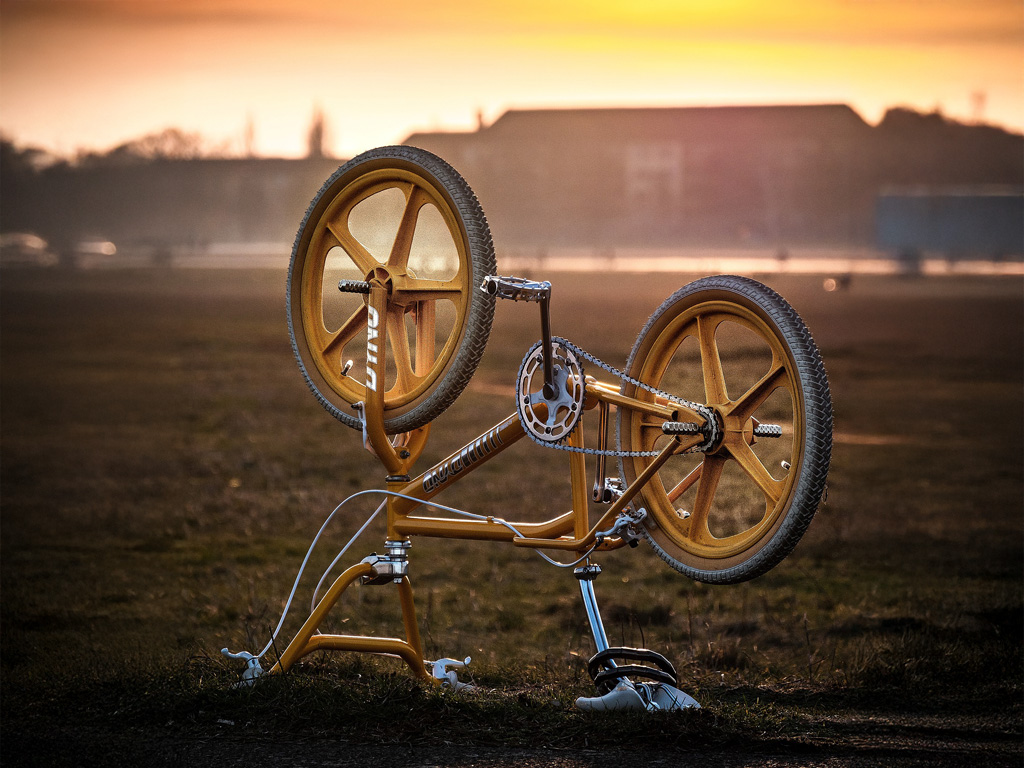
164 468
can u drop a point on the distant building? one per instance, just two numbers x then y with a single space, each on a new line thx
690 176
958 222
775 177
150 207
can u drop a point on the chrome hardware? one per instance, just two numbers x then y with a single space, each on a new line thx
586 575
516 288
653 696
611 489
354 286
253 669
391 566
626 526
650 697
681 428
563 405
602 494
767 430
444 670
346 368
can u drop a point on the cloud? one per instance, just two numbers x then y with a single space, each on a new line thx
857 22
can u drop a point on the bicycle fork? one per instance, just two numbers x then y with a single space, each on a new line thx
615 686
585 575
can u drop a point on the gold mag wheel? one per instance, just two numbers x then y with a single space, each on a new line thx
406 218
735 511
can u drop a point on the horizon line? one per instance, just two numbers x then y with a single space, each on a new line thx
80 152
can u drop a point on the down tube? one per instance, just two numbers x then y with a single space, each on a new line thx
448 471
459 464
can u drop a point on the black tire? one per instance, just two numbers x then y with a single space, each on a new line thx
758 512
453 239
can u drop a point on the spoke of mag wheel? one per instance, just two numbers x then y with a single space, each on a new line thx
754 397
686 483
430 290
398 339
348 331
416 198
752 466
711 361
362 258
426 322
710 476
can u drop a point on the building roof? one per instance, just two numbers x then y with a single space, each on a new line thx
669 122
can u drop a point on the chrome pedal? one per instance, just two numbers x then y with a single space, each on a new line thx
516 288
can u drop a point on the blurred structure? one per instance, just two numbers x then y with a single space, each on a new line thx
768 178
154 208
735 177
317 135
958 222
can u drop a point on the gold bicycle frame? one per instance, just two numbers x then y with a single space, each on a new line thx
571 531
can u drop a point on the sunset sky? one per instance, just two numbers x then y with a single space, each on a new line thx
92 73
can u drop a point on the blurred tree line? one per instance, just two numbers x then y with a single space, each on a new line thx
765 177
162 190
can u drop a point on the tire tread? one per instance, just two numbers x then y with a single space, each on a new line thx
481 310
810 487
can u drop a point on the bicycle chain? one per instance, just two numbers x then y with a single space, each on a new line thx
704 411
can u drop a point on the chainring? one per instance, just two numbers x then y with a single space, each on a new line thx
561 413
710 431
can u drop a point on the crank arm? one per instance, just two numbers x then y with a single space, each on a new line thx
516 288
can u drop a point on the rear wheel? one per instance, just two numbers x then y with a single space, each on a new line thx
735 511
403 214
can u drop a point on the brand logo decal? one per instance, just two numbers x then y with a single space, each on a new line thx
464 459
372 323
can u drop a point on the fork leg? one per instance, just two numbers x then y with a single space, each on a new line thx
586 575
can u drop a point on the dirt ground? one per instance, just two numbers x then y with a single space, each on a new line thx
160 454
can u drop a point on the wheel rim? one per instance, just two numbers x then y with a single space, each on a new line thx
429 293
718 508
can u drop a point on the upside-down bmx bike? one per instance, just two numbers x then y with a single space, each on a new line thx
723 417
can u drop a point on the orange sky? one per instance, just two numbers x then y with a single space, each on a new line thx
93 73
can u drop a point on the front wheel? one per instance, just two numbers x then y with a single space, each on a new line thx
404 214
735 511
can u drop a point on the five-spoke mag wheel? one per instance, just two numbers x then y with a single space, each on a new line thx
734 511
405 218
